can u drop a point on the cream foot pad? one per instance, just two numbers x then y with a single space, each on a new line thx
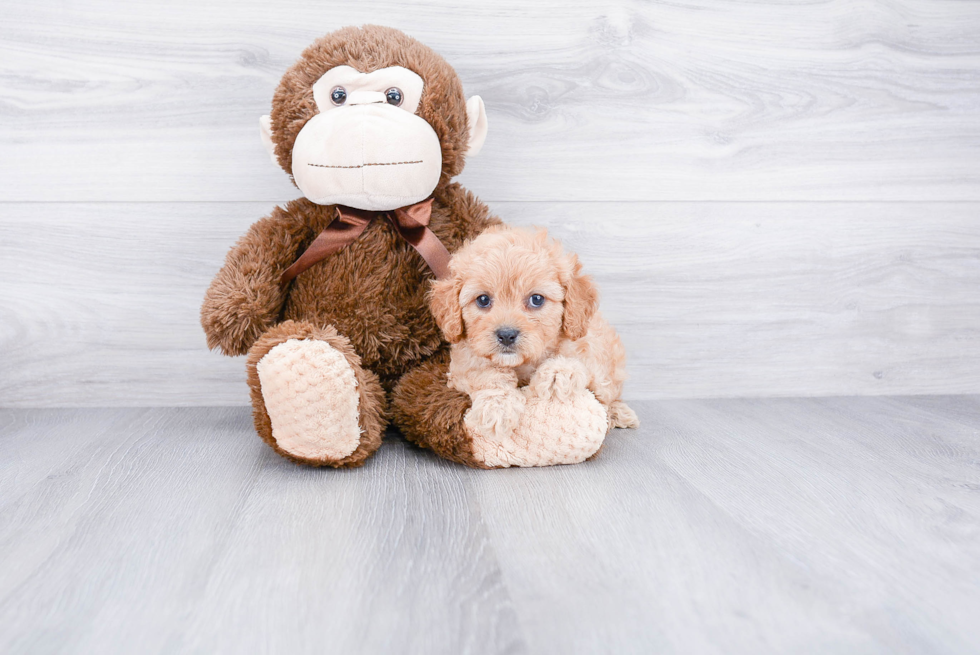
310 393
562 423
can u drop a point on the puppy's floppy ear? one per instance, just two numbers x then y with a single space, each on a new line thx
444 304
581 299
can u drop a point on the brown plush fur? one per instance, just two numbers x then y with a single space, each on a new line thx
371 395
371 294
430 414
368 49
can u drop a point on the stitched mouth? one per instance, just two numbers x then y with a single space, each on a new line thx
385 163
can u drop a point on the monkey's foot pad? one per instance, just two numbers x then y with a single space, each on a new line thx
310 393
562 423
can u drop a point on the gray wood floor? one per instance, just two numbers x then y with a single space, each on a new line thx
777 525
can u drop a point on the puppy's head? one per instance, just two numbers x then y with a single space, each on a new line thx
514 294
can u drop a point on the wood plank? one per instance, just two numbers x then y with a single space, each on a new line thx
742 526
784 299
587 100
180 531
862 491
100 302
768 525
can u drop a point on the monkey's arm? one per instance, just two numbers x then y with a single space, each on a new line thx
468 216
244 299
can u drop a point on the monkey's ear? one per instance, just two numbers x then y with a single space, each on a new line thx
476 120
265 133
444 303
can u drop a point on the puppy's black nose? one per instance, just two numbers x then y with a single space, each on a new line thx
507 336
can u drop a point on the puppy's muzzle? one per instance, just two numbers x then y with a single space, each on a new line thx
506 336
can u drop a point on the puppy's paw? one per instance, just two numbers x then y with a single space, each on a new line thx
495 412
559 378
621 416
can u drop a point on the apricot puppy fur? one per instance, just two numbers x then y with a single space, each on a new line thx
516 301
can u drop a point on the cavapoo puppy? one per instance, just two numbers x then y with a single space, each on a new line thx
523 321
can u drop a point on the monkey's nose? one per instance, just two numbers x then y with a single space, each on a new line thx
506 336
365 97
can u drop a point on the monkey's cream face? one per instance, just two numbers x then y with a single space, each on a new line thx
366 148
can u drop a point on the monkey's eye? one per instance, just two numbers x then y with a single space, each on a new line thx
483 301
394 96
338 96
536 300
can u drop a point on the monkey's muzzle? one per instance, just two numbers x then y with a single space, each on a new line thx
368 156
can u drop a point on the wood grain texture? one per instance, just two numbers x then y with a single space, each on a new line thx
755 526
170 530
610 100
100 301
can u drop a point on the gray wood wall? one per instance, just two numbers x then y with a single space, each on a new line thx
777 198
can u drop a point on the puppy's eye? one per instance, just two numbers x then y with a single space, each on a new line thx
338 96
394 96
536 300
483 301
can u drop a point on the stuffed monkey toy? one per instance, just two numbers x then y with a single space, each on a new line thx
327 295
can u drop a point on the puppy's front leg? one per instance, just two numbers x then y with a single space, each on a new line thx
495 412
497 404
560 378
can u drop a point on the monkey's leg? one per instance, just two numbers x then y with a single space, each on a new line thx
562 423
312 402
430 414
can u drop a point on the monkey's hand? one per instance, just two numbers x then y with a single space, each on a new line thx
495 413
235 316
244 298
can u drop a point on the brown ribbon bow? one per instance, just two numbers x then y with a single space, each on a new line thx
411 223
